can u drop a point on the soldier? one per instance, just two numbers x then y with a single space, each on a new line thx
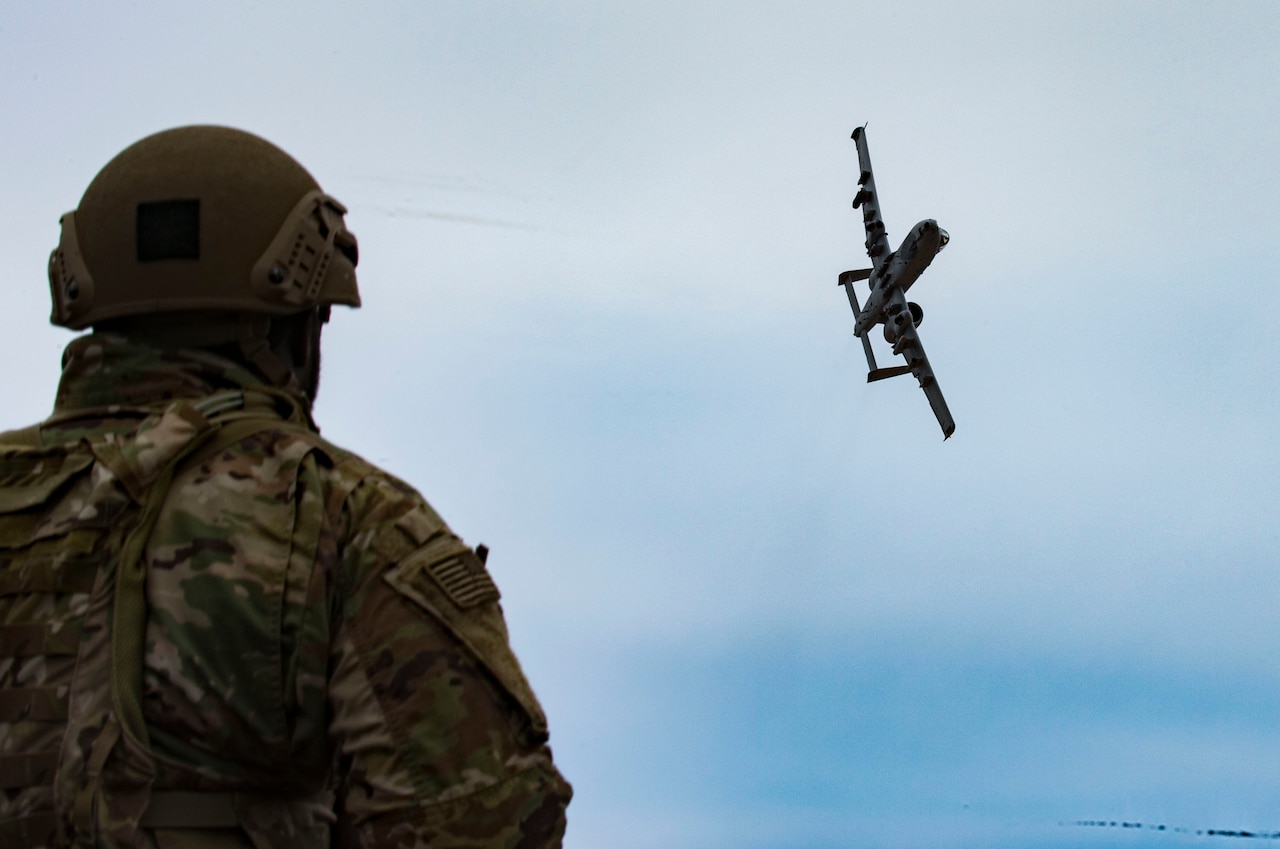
217 629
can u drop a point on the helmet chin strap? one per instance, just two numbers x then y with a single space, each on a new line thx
255 344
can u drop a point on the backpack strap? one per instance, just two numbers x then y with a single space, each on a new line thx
128 630
203 810
217 423
129 623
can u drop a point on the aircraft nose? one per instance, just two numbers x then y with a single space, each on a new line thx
943 238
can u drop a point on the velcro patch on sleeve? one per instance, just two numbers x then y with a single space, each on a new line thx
452 567
464 579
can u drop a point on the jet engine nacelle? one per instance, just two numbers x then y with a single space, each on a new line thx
893 325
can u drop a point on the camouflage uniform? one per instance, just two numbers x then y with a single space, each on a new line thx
325 662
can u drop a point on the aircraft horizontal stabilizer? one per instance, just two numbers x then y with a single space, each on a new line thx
882 373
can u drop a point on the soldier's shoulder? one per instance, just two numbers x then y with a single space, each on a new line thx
379 505
21 437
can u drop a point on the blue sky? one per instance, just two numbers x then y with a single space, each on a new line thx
764 603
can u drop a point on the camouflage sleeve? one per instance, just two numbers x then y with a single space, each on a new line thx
439 737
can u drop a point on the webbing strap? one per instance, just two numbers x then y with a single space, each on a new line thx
235 431
34 831
37 704
32 638
177 809
69 577
33 770
82 806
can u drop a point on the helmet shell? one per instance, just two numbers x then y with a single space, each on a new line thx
201 218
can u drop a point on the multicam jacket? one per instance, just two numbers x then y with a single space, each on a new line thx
218 630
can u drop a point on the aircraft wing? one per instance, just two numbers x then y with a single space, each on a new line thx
877 243
908 344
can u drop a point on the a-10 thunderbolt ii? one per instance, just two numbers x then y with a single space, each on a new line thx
891 275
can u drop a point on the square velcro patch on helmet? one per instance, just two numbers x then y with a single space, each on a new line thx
168 229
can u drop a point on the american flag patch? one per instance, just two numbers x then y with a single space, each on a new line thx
464 579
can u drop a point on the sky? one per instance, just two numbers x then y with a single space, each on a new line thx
764 603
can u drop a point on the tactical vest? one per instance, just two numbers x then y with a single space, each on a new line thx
75 515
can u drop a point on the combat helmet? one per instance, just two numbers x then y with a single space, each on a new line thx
202 218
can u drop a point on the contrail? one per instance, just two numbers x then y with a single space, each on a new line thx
411 212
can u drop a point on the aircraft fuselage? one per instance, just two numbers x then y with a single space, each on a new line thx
900 270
